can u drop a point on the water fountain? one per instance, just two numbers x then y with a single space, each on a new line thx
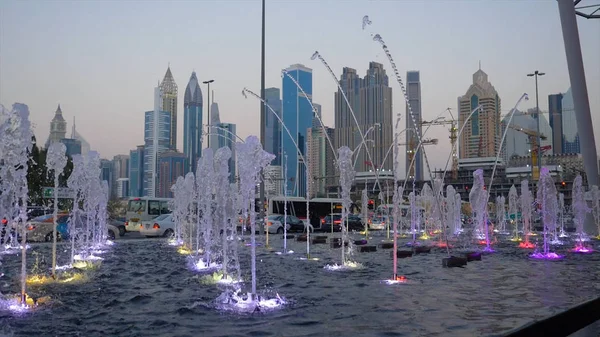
562 208
252 160
548 207
56 160
177 207
580 210
205 189
501 215
15 145
559 230
426 199
478 197
513 207
452 212
526 209
364 198
347 174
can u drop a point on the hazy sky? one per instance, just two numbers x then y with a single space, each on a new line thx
101 59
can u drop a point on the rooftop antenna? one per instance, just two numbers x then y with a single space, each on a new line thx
73 129
479 64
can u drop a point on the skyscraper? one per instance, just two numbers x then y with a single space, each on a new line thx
192 123
371 100
481 136
555 116
58 128
297 117
157 135
171 165
136 172
272 125
413 90
321 160
318 116
107 173
120 171
215 121
169 104
571 142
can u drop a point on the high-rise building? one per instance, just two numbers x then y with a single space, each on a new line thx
136 172
73 146
156 141
413 152
192 123
169 103
555 116
85 146
171 165
272 124
571 142
371 100
297 117
226 137
481 136
120 171
122 188
318 116
107 172
321 160
58 127
215 121
273 177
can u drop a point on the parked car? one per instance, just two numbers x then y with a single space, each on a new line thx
334 221
162 225
380 222
120 225
294 223
113 232
40 229
275 224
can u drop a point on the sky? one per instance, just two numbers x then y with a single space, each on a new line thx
101 59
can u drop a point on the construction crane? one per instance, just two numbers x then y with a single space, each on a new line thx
533 141
412 149
453 137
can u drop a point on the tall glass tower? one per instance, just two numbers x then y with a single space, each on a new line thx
169 104
157 135
192 123
297 117
272 124
413 91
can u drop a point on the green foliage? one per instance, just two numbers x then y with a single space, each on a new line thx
37 174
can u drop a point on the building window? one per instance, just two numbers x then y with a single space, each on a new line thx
475 117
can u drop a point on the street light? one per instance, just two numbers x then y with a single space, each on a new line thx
537 110
208 109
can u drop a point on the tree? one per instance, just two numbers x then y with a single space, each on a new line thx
37 175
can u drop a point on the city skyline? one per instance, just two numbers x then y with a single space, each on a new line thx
98 99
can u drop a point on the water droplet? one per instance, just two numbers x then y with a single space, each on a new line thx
365 21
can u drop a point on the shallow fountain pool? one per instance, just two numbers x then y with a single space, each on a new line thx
144 287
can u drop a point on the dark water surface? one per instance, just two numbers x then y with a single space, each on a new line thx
143 288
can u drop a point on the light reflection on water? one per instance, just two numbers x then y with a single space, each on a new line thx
144 287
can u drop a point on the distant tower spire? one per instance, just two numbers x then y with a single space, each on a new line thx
73 129
479 64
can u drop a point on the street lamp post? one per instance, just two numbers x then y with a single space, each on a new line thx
208 109
537 110
262 113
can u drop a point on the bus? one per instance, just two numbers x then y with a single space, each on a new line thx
144 209
296 206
